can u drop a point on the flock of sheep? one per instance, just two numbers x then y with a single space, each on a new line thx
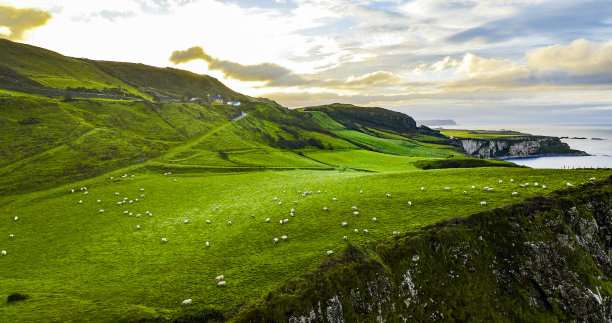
221 278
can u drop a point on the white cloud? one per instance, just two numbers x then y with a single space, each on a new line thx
581 57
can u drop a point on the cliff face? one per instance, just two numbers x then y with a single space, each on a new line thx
542 259
510 147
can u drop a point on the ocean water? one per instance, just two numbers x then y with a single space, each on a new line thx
600 150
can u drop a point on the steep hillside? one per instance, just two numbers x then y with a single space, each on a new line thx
541 260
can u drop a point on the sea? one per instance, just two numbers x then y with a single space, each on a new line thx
600 150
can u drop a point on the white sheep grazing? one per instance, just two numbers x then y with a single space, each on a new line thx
483 203
4 252
535 184
544 186
208 221
135 200
125 212
286 220
592 179
511 180
85 193
291 213
490 189
147 212
388 195
522 185
365 230
11 236
325 191
361 192
221 283
207 244
138 215
353 208
329 252
514 193
292 210
281 221
279 203
447 188
164 240
138 226
344 224
344 238
220 277
186 221
229 222
176 180
356 231
284 237
473 187
319 191
324 208
464 192
295 202
186 302
356 213
422 188
130 201
130 214
570 185
72 191
80 201
119 203
101 211
500 181
485 188
275 240
111 177
267 220
132 175
216 207
395 233
334 199
526 184
275 198
374 219
142 189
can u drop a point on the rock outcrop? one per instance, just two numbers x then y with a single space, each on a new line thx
542 259
511 147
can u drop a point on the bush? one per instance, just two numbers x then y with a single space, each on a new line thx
223 154
16 297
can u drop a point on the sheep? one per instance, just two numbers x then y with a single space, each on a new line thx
295 202
526 184
135 200
229 222
208 221
286 220
11 236
142 195
138 226
361 192
164 240
344 237
422 188
221 283
570 185
130 214
207 244
279 203
329 252
186 302
101 211
356 231
490 189
176 180
220 277
353 208
112 177
473 187
535 184
374 219
132 175
275 198
324 208
281 221
522 185
464 192
334 199
500 181
80 201
511 180
125 212
142 189
388 195
72 191
98 201
85 193
365 230
267 220
292 210
138 215
344 224
514 194
485 188
356 213
447 188
592 179
291 213
325 191
131 201
544 186
483 203
147 212
150 214
284 237
275 240
186 221
119 203
4 252
395 233
319 191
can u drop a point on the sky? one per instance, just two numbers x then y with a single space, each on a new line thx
494 61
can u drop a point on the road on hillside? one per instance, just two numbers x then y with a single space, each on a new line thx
240 116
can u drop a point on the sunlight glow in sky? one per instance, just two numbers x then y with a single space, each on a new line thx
482 61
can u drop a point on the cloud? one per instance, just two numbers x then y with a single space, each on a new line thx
18 21
269 73
112 15
581 57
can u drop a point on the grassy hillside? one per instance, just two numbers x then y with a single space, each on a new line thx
136 275
482 134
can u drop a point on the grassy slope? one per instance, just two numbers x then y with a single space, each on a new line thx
116 270
482 134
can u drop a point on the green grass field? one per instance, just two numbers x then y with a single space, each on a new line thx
481 134
76 263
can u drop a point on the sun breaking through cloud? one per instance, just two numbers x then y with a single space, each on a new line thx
17 21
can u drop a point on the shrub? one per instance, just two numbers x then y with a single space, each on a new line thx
16 297
223 154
